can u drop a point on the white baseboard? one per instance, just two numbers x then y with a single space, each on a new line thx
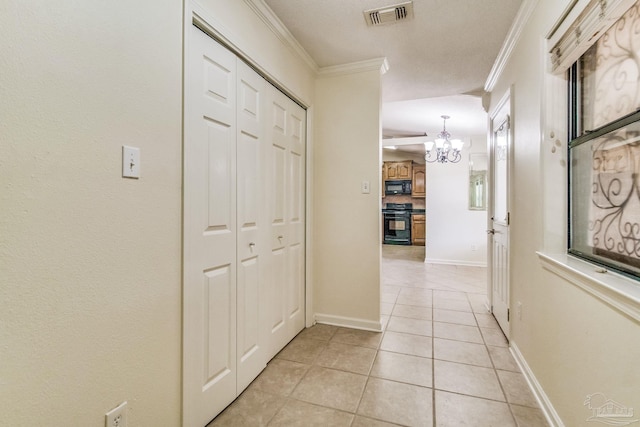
543 400
349 322
455 262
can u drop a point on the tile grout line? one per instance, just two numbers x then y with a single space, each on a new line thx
433 363
364 389
407 290
313 364
495 371
290 397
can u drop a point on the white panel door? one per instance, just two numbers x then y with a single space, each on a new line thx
499 274
251 217
284 294
295 239
209 289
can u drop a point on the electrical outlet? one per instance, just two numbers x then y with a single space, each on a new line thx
117 417
519 310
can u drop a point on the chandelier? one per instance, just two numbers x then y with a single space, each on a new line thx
447 150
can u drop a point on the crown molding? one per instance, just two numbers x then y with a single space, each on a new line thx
264 12
525 11
377 64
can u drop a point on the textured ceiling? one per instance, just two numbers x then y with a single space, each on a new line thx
447 49
420 116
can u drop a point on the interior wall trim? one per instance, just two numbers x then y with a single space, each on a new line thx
349 322
455 262
543 400
380 64
615 290
513 36
264 12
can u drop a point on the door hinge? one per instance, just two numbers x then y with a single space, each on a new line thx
508 314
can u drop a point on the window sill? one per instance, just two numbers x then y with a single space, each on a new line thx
618 291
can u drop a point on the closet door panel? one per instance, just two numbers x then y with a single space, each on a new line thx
296 218
244 215
277 160
295 294
209 366
251 220
286 196
275 303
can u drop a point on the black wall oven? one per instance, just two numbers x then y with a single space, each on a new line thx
397 223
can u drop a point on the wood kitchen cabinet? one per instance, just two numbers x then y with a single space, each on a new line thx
418 181
418 229
398 170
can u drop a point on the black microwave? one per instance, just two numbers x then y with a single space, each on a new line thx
397 187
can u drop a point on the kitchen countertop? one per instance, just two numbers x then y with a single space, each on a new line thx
417 211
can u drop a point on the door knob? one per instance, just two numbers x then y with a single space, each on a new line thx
491 231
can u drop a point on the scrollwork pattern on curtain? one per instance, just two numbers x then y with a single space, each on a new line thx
611 90
611 73
615 214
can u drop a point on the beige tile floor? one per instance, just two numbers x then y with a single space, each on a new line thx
441 361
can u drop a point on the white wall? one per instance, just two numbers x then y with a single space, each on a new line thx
347 223
90 294
455 234
90 263
574 344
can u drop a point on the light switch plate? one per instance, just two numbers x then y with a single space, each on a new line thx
366 189
130 162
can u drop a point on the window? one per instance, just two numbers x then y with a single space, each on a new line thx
604 149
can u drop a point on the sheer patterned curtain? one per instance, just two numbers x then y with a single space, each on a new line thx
605 201
611 73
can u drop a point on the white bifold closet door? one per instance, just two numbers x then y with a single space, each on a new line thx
285 291
244 198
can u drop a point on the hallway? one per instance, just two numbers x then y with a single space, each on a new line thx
441 361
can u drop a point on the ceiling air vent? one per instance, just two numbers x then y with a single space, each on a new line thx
389 14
